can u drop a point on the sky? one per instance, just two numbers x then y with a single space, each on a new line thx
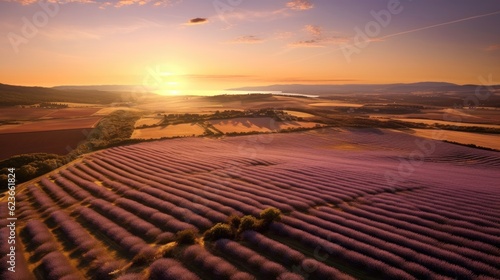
182 45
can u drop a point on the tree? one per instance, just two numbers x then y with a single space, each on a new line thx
270 214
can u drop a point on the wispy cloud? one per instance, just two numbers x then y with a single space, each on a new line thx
249 39
313 43
319 38
283 35
233 15
492 48
314 30
300 5
249 15
197 21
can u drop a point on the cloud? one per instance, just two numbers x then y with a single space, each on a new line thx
248 15
283 35
314 30
492 48
313 43
249 39
300 5
196 21
319 38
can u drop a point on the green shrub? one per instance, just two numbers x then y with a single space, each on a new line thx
218 231
270 214
234 221
186 237
248 223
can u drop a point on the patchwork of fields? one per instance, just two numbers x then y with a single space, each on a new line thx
55 131
392 206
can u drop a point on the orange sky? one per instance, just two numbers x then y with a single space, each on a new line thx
182 45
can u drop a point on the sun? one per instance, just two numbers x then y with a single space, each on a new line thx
169 84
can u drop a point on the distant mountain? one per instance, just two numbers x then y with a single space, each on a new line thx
20 95
365 88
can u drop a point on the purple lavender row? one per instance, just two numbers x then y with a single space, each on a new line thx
263 267
391 254
367 264
87 247
122 238
91 187
223 199
215 267
71 188
439 235
172 185
170 269
468 234
126 219
346 219
216 212
282 185
146 156
398 245
464 210
57 193
435 214
263 194
293 258
44 203
171 223
199 221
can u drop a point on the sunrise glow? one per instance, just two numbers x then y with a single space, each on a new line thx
215 45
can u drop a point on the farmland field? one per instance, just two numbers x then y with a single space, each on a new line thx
358 213
177 130
54 141
484 140
239 125
427 121
48 125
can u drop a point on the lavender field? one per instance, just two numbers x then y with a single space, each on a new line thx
355 204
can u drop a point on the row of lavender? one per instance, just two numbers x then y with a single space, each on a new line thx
132 199
465 247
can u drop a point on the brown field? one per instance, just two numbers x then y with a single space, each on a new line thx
479 116
49 125
148 120
72 113
57 142
299 114
427 121
245 125
484 140
336 104
108 110
16 113
178 130
264 124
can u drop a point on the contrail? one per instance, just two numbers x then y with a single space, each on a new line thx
410 31
439 24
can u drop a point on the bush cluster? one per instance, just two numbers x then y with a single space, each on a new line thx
236 225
